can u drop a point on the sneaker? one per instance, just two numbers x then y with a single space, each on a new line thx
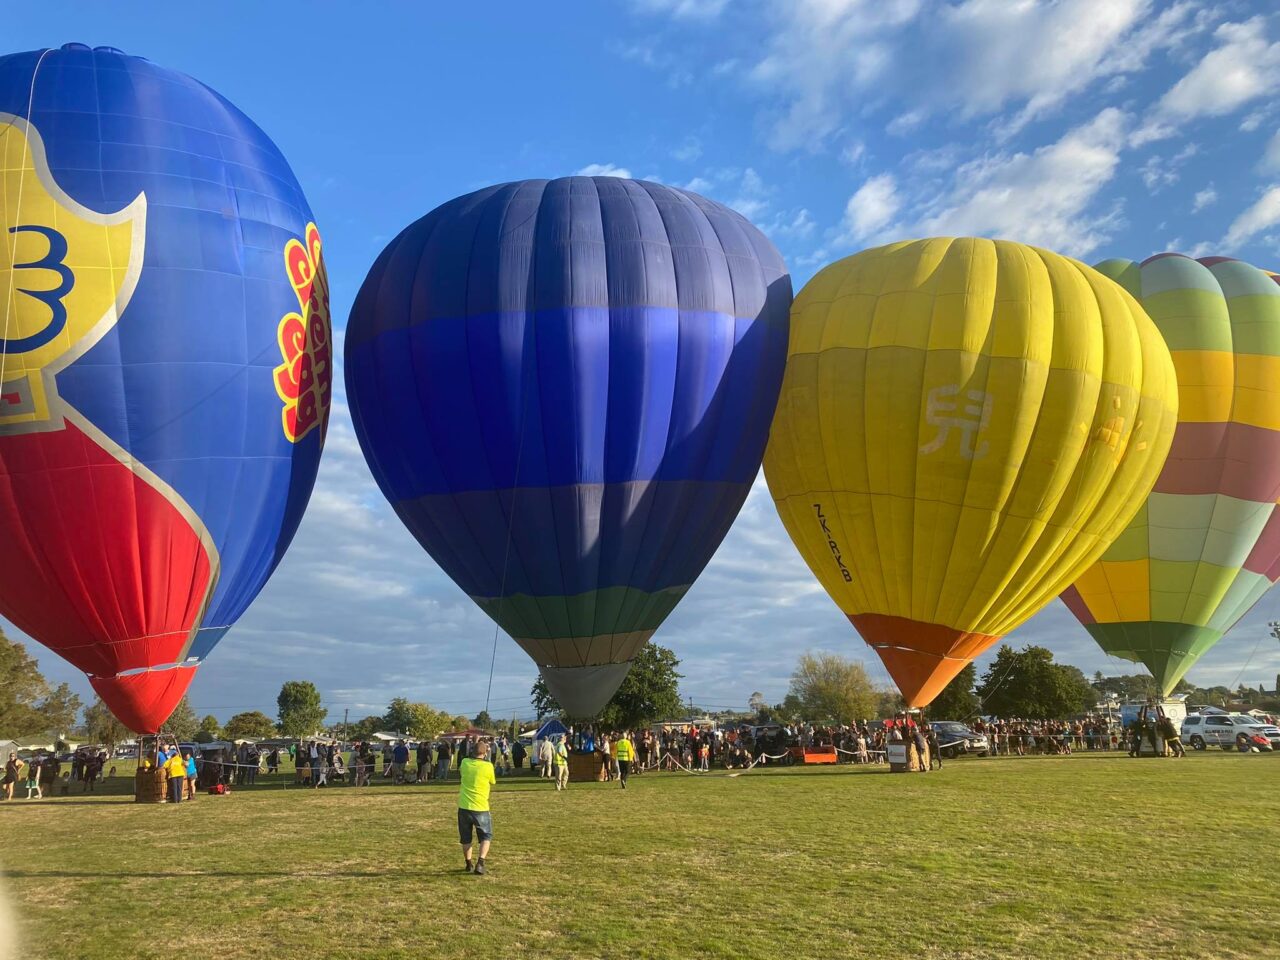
480 868
469 866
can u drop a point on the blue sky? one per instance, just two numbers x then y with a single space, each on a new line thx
1095 127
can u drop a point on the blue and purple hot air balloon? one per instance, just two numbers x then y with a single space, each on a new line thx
564 388
164 367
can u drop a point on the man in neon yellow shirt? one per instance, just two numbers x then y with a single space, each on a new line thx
624 753
560 759
473 805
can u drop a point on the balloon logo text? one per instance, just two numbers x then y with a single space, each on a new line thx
970 420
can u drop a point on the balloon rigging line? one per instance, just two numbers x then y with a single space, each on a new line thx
1236 686
22 178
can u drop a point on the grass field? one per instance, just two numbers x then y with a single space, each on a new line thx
1072 857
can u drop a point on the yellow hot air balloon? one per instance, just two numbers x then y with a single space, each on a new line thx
964 427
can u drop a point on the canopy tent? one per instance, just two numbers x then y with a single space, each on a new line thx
552 728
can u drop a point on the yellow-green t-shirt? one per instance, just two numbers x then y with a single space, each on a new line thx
624 750
477 778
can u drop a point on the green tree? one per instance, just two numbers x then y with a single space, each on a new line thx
27 704
363 729
1027 684
957 701
832 687
889 703
253 724
757 704
210 730
416 719
182 723
300 709
482 720
651 691
101 726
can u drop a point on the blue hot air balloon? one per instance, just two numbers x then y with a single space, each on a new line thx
164 366
564 388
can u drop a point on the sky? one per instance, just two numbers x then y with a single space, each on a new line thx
1097 128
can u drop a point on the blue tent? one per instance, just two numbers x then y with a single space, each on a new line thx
552 728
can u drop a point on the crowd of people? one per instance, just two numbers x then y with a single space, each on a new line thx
42 773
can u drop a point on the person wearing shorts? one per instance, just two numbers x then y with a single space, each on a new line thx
473 806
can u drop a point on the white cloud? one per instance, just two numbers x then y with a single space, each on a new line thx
872 207
1271 157
1043 198
688 151
832 59
1262 214
1158 173
1244 66
604 170
684 9
1204 198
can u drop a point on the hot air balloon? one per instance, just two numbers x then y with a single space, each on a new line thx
564 389
1206 544
964 426
164 367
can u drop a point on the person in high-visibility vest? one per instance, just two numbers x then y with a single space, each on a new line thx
625 754
560 760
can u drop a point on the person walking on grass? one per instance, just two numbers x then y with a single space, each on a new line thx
33 777
560 759
12 770
473 806
624 753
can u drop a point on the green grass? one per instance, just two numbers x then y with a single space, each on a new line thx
1073 857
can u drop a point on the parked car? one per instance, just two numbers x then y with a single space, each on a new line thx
1200 731
954 738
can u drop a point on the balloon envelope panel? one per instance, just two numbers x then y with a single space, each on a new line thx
963 427
1206 545
165 366
564 388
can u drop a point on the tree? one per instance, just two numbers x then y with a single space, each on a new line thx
27 705
363 729
889 703
482 720
182 723
210 730
415 719
832 687
651 691
101 726
756 703
1027 684
300 710
254 724
957 701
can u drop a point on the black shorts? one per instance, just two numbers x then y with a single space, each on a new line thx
479 820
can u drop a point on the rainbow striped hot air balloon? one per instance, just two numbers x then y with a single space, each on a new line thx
964 426
564 388
164 367
1206 544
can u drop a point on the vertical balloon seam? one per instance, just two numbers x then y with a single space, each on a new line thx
1069 560
982 619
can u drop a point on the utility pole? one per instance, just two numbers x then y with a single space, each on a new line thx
345 711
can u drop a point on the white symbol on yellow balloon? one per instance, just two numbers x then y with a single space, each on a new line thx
66 274
967 414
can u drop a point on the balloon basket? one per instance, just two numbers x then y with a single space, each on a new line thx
903 758
149 786
583 767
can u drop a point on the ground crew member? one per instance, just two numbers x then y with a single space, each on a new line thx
473 805
560 758
625 753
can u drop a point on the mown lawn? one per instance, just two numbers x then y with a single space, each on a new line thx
1073 857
